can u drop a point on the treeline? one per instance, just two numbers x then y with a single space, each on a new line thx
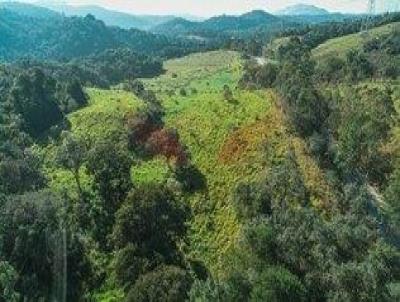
67 38
35 101
110 67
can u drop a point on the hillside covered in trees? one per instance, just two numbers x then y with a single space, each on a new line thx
161 168
65 38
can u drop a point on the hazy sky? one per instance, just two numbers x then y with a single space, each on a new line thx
214 7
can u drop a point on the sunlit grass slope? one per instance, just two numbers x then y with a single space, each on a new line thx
340 46
104 117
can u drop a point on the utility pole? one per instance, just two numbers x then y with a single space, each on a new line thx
371 7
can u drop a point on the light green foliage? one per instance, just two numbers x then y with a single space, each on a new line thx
103 119
109 296
204 72
155 170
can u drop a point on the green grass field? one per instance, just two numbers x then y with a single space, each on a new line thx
340 46
104 118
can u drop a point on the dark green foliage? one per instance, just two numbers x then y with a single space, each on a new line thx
8 279
33 97
191 178
110 166
266 76
75 37
305 106
155 111
166 284
135 86
71 156
298 255
294 51
227 93
147 231
222 26
183 92
250 200
366 280
118 65
366 119
236 289
30 231
389 43
110 67
312 250
283 187
331 70
278 284
261 239
358 65
392 194
20 172
71 96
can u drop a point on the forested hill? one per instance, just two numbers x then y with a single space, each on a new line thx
64 38
219 25
29 10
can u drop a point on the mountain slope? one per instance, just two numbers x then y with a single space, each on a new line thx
110 17
29 10
303 10
66 38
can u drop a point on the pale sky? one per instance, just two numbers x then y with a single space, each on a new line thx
214 7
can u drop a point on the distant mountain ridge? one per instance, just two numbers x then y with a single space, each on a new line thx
29 10
64 38
110 17
303 10
219 24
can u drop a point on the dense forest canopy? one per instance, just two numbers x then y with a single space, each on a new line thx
265 171
74 37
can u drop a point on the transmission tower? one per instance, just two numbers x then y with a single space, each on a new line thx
371 7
